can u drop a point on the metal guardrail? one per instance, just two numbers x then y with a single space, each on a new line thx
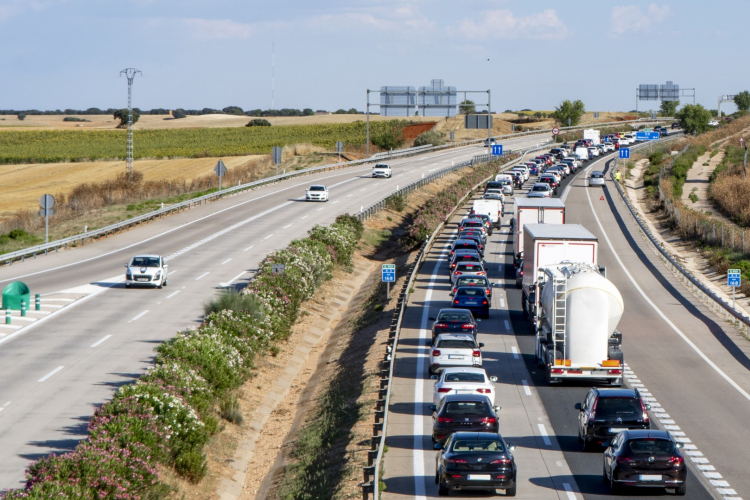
371 484
719 305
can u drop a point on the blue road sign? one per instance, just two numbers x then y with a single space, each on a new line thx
625 153
733 277
389 273
497 150
647 136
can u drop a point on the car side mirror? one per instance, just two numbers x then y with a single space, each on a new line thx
433 377
648 407
578 407
166 266
479 320
511 447
680 445
437 446
481 344
493 378
496 409
432 407
126 265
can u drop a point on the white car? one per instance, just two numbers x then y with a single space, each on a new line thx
454 349
713 123
316 192
146 270
594 151
608 147
464 380
382 170
596 178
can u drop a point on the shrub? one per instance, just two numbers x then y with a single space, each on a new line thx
75 119
693 197
396 202
230 410
232 300
258 122
433 137
387 140
179 113
21 116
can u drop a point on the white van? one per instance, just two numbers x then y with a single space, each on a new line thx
492 208
507 182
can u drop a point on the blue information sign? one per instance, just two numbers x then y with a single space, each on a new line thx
497 149
647 136
625 153
389 273
733 277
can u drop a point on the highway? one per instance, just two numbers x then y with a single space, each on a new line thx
54 374
689 362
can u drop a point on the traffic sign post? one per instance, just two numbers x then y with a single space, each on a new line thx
339 148
497 150
221 171
625 153
734 277
276 154
278 268
389 276
47 201
555 132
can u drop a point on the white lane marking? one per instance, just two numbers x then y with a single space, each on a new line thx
270 235
305 217
139 316
526 388
287 226
99 342
507 324
236 278
251 246
6 404
349 195
559 463
321 208
545 436
363 189
173 294
202 275
569 491
335 202
660 313
502 303
515 352
226 261
50 374
173 272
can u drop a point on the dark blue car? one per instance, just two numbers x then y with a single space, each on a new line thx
474 299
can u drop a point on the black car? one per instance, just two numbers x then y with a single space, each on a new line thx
466 245
606 412
463 413
453 321
675 124
475 461
493 185
645 458
478 281
475 236
474 299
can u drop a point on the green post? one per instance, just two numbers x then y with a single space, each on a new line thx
38 302
23 308
7 316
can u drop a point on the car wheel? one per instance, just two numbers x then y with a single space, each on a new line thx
587 445
165 283
605 479
613 486
511 492
437 478
443 490
682 489
127 285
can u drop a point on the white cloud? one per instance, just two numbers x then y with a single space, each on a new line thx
631 19
502 23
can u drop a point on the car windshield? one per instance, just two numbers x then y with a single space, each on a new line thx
505 182
475 378
651 446
543 187
466 408
317 188
455 317
473 445
379 165
470 292
456 344
611 408
145 262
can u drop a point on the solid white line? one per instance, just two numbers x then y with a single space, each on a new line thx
545 436
140 315
305 217
526 387
248 248
202 275
235 278
268 236
50 374
660 313
515 352
569 491
507 324
95 344
287 226
6 404
226 261
173 294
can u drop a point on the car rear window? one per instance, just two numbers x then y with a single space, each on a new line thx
541 188
456 317
471 292
651 446
466 266
611 408
472 445
471 281
317 188
456 344
477 378
597 176
473 224
466 408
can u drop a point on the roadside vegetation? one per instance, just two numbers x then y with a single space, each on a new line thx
166 417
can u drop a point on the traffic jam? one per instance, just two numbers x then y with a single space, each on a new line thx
570 308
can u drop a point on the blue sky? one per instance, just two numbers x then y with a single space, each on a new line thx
199 53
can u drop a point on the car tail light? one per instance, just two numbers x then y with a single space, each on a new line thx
441 325
615 372
467 325
455 301
457 461
488 420
484 391
502 461
592 413
457 273
480 273
556 371
444 419
675 461
645 413
484 302
445 389
476 353
455 290
489 291
624 460
436 352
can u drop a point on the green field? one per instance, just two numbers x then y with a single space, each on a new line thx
52 146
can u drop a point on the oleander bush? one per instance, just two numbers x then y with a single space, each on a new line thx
166 417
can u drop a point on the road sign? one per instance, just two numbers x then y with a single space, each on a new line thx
47 201
555 131
278 268
647 136
497 150
734 277
276 155
339 146
220 169
596 114
625 153
47 213
389 273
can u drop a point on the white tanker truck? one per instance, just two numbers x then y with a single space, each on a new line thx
576 324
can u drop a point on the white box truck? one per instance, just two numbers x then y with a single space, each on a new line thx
593 135
535 211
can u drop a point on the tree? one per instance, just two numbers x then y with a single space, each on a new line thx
233 110
467 107
742 100
308 112
122 115
693 118
21 116
668 108
258 122
179 113
569 110
433 137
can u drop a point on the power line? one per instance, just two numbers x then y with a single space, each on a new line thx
130 75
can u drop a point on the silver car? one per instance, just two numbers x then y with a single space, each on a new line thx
540 190
596 178
454 349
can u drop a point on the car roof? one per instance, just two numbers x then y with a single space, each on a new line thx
464 369
474 398
646 433
455 336
617 393
454 310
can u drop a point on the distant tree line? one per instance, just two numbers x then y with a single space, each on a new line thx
229 110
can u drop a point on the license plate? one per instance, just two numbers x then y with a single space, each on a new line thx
478 477
464 391
650 477
142 279
455 356
617 429
471 302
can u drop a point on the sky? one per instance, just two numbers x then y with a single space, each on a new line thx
59 54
